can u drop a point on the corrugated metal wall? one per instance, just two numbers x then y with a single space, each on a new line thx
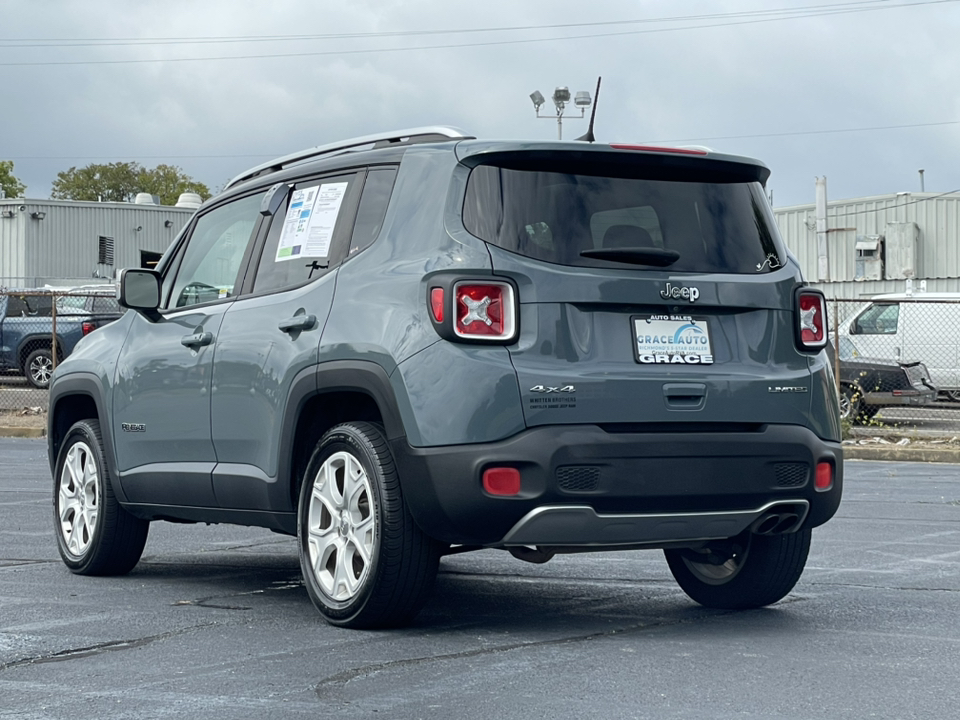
938 247
13 259
65 243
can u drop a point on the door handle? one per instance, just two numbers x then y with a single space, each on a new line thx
197 339
297 323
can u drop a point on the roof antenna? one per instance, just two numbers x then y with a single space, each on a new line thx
588 135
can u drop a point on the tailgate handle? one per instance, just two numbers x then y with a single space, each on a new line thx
684 396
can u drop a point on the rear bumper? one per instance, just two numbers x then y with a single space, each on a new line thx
584 486
924 397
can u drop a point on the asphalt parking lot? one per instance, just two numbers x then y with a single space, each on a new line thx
214 623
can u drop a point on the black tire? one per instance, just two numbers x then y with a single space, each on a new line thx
38 367
758 570
389 586
112 542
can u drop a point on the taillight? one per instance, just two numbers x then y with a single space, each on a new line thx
811 320
484 310
87 328
436 304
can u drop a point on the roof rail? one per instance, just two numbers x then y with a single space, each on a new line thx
438 133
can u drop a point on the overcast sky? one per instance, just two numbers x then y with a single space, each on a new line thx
864 92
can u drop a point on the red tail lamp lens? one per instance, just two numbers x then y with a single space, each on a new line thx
87 328
824 476
812 316
501 481
436 304
484 311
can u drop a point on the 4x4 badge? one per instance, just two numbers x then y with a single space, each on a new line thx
548 389
676 293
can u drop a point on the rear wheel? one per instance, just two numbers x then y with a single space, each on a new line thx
95 535
38 367
365 563
747 571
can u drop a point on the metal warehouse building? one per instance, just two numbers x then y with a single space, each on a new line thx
875 244
66 243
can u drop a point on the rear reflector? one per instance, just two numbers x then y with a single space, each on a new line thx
652 148
824 476
484 311
436 304
501 481
811 319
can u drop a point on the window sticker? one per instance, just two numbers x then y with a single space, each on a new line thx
310 220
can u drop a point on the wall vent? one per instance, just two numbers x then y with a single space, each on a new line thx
105 251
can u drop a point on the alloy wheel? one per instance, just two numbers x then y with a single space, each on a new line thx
78 498
341 528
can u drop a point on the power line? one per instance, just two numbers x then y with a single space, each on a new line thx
489 43
108 42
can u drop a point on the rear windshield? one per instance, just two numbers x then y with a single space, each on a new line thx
714 226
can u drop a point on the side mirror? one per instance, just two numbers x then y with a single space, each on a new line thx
140 290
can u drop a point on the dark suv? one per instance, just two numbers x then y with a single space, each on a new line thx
402 346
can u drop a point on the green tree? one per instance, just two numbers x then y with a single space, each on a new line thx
11 186
120 182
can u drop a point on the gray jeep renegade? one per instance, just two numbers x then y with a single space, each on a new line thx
409 345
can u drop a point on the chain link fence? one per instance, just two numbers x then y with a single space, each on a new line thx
897 365
38 329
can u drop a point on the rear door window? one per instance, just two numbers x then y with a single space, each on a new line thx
308 235
714 226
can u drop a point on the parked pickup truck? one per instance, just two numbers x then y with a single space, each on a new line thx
26 329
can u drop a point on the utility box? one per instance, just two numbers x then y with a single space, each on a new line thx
900 241
869 257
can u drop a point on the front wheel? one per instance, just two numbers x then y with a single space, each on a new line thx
95 535
748 571
365 563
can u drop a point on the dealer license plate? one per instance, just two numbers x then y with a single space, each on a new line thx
672 339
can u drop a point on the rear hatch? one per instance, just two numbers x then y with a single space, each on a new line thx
653 287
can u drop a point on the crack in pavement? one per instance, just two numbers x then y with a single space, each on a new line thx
883 587
99 648
342 678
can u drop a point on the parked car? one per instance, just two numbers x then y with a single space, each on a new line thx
26 335
417 343
911 327
98 306
869 384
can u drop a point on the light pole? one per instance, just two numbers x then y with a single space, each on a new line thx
561 96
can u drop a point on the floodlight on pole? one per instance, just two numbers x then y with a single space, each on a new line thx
560 97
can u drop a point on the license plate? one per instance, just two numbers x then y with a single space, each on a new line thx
671 339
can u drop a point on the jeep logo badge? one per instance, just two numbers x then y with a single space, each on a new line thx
676 293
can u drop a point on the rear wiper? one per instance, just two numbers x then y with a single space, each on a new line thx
634 256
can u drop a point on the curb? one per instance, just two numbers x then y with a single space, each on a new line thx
23 432
901 453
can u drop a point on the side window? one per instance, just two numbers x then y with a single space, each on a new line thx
211 260
308 234
373 207
879 319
